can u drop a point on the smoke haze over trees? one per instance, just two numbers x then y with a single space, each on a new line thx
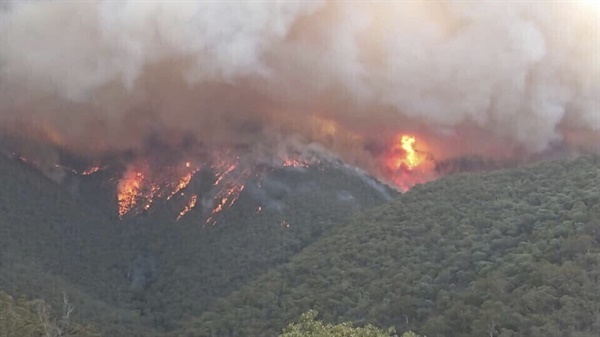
493 78
228 168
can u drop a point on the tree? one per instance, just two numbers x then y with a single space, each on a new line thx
308 326
34 318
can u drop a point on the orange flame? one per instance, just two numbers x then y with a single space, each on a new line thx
225 199
191 204
404 163
129 191
221 175
91 170
181 184
408 157
139 186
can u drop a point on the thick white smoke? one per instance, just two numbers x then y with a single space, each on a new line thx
510 75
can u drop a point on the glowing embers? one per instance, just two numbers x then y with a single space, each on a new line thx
129 190
404 163
225 198
229 184
142 185
294 162
91 170
231 175
191 204
181 184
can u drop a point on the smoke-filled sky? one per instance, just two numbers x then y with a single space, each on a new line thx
463 76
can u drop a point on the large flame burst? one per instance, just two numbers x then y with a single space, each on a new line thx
405 165
404 153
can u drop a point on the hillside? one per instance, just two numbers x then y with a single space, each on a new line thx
140 275
51 242
509 253
189 264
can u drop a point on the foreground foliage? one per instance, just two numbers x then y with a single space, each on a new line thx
35 318
308 326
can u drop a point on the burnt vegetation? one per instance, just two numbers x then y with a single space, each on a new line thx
513 252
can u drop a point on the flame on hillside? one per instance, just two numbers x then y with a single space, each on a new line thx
295 162
129 191
146 180
229 183
140 186
91 170
191 204
405 164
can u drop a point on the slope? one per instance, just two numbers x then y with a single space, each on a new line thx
189 264
140 275
51 242
513 252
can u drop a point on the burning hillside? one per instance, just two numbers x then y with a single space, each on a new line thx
396 89
156 177
140 184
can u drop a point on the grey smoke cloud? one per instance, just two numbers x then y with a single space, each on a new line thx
106 73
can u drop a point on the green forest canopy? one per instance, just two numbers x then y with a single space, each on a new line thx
508 253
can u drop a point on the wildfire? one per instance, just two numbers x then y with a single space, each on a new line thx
404 162
144 185
191 204
222 175
226 198
293 162
407 156
91 170
182 183
129 191
141 186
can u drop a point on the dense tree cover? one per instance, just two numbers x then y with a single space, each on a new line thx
509 253
35 318
52 241
514 252
308 326
140 275
196 264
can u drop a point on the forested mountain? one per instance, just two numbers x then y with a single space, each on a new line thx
143 274
513 252
509 253
52 242
188 264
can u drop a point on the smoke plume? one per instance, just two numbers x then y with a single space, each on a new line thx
492 77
